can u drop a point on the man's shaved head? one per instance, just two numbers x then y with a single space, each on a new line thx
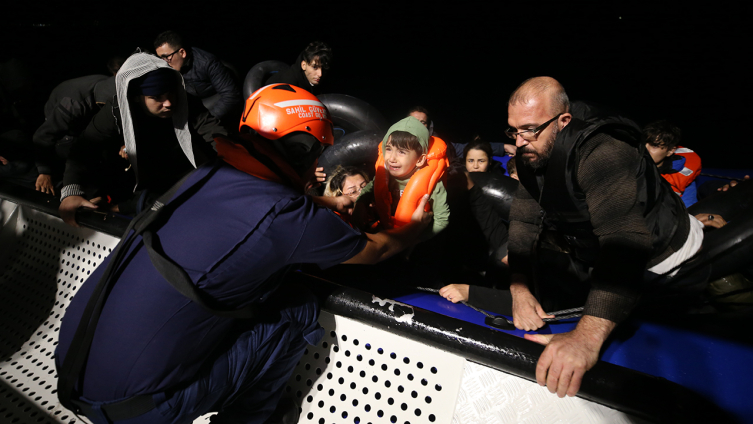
536 112
542 87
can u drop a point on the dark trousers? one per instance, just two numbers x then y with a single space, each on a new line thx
245 382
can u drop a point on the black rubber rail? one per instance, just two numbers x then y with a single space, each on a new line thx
108 223
651 398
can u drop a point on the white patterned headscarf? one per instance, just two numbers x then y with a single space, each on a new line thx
138 65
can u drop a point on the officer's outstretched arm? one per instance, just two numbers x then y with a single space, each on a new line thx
385 244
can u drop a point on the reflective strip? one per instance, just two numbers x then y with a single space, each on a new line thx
300 102
686 172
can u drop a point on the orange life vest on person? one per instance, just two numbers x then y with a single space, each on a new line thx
422 182
236 155
691 167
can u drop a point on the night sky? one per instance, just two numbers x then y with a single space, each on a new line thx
649 61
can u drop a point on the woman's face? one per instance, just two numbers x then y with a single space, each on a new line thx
352 186
476 161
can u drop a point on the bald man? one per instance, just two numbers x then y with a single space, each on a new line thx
593 207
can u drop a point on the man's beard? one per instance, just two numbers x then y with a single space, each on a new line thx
539 161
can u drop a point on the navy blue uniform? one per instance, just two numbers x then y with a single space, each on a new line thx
232 237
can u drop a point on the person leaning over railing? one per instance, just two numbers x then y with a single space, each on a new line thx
140 144
229 234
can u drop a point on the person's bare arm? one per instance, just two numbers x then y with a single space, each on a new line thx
527 312
568 356
385 244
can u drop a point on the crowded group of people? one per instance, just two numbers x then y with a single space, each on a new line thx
187 315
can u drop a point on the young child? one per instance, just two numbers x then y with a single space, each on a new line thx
410 165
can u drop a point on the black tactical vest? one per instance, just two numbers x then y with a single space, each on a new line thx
564 204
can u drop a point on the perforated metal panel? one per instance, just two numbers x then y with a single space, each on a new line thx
360 374
44 263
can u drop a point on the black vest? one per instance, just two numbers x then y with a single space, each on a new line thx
564 203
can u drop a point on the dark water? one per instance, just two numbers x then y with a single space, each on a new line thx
670 61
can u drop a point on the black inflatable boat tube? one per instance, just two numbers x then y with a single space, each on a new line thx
499 189
259 73
353 149
352 114
729 204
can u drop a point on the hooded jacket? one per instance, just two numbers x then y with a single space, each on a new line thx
70 108
94 154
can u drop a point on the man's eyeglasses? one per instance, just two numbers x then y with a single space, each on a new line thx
530 135
169 57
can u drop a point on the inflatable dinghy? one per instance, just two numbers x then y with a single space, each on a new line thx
413 359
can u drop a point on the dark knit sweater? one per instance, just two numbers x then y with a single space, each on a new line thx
606 174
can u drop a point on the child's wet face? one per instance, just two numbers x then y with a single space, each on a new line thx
400 162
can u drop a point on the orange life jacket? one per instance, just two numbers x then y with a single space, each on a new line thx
237 156
422 182
681 179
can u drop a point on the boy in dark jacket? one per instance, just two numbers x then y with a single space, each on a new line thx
308 69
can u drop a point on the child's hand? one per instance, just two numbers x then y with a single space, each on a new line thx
320 175
318 178
455 292
123 153
420 216
732 184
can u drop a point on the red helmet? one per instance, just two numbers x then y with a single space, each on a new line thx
277 110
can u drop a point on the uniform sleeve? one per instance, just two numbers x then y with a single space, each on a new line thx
607 177
525 216
321 238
